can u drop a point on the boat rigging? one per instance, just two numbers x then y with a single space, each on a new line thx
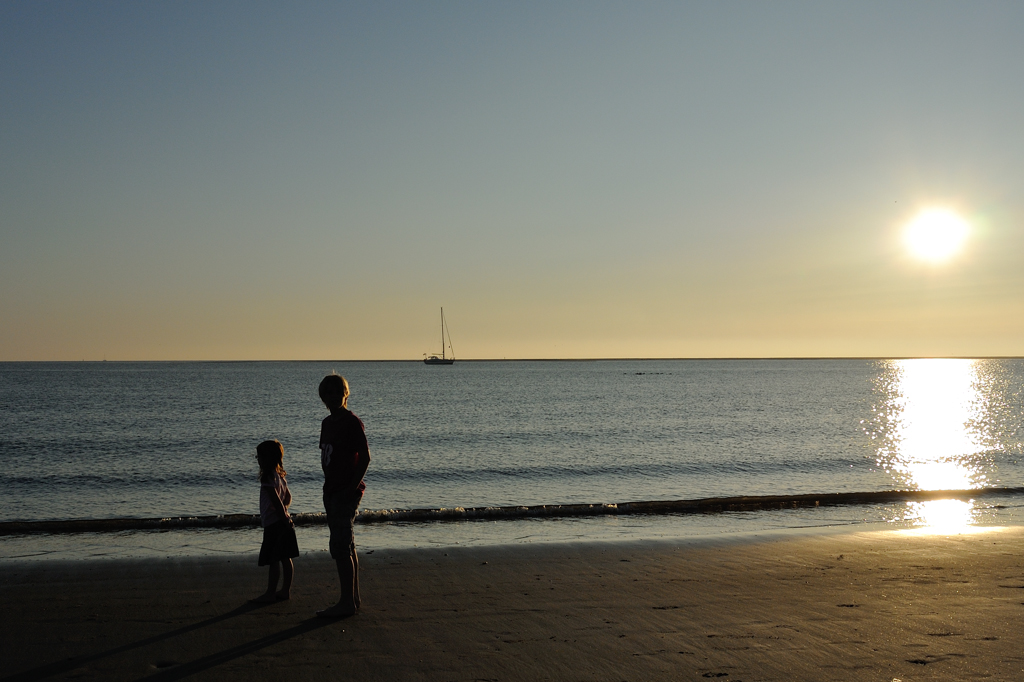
444 359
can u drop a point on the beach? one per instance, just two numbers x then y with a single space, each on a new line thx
875 605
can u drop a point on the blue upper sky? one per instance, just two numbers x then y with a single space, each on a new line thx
234 180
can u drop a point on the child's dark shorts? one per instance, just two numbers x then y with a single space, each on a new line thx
279 543
341 515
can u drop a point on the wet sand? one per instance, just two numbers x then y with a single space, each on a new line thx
855 606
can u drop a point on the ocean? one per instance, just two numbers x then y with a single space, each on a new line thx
112 440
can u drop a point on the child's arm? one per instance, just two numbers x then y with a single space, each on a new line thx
361 466
276 503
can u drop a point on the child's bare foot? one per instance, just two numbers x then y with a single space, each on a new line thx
266 598
282 595
337 611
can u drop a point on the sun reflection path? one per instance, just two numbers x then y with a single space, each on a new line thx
928 439
942 516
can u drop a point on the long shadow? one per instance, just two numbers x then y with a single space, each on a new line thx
185 669
67 664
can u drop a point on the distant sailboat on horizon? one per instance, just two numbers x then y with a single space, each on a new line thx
444 359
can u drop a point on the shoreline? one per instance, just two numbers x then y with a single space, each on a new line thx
947 514
707 505
857 605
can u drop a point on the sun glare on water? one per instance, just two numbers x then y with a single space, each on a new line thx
936 235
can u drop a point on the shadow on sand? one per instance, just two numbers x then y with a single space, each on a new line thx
182 670
186 669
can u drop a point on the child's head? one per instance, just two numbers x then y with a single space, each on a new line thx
270 456
334 391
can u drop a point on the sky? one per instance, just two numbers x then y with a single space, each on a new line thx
257 180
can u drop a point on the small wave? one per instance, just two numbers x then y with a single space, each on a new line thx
648 469
709 505
422 475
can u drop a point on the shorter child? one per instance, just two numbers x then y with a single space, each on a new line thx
279 544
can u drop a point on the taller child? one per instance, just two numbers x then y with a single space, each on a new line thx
344 456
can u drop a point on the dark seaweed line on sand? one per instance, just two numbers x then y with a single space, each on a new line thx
709 505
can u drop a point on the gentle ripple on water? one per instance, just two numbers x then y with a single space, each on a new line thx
102 440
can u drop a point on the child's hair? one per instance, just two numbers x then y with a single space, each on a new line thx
334 391
270 455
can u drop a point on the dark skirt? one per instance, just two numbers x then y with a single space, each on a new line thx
279 543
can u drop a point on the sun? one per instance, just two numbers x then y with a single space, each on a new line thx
936 235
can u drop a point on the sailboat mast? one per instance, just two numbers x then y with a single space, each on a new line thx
442 332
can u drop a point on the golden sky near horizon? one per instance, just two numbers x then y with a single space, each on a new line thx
239 181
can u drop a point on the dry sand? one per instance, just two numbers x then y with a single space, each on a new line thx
857 606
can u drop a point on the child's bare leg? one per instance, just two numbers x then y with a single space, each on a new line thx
347 577
275 575
343 550
346 604
286 584
355 578
268 596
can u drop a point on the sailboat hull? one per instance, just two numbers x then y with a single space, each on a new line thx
438 361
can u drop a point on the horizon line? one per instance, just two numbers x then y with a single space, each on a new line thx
600 359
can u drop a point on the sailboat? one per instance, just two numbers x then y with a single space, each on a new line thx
444 359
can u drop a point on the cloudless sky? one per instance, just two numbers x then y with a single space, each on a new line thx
247 180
